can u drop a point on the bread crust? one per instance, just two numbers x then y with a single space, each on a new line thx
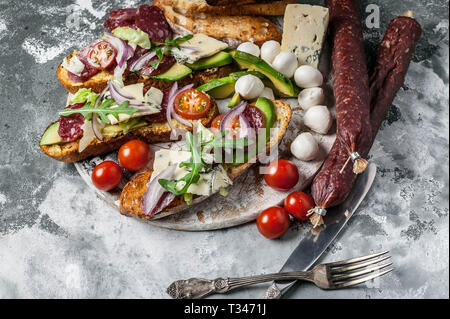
230 29
196 8
152 133
98 82
130 198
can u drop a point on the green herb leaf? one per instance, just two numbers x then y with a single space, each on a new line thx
103 110
84 95
195 163
164 48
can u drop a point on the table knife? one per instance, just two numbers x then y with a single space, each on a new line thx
316 242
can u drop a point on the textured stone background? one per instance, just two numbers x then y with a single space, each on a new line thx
57 239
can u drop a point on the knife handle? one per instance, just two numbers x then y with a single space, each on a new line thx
277 290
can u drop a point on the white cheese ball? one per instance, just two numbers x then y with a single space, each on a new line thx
318 118
311 97
267 93
269 50
249 87
285 63
249 47
305 147
307 76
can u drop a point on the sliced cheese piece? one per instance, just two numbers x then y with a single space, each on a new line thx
206 46
74 65
304 31
209 182
152 100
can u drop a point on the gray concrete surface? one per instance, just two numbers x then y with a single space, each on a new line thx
58 240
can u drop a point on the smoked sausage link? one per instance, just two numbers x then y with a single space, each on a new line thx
330 187
350 80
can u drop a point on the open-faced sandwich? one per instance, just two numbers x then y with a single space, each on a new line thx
207 161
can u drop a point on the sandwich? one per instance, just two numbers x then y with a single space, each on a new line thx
188 174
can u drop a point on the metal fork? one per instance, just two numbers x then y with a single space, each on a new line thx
333 275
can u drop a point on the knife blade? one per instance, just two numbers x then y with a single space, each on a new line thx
314 244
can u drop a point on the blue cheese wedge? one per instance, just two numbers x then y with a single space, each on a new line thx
204 45
304 31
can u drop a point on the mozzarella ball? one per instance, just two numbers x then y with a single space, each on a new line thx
307 76
267 93
285 63
269 50
318 118
310 97
305 147
249 87
249 47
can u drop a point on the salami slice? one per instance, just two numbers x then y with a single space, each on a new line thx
350 80
121 18
166 63
254 116
70 126
161 116
151 20
332 185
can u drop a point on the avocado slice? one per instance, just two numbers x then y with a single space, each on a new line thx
283 85
235 100
175 73
218 59
51 135
268 110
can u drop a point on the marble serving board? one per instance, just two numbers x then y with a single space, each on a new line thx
247 196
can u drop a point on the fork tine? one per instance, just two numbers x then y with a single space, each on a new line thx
357 259
359 273
362 279
358 266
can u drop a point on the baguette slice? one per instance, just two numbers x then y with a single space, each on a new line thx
152 133
98 82
232 30
196 8
130 199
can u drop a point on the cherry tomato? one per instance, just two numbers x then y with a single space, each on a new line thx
101 55
234 130
107 175
192 104
298 204
273 222
281 175
134 155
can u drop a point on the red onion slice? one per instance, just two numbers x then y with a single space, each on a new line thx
156 198
169 112
123 49
139 63
97 127
188 49
117 93
231 115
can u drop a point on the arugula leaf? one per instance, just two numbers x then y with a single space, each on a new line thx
103 110
164 48
195 163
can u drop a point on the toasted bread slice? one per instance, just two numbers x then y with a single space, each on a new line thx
196 8
152 133
232 30
98 82
130 199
